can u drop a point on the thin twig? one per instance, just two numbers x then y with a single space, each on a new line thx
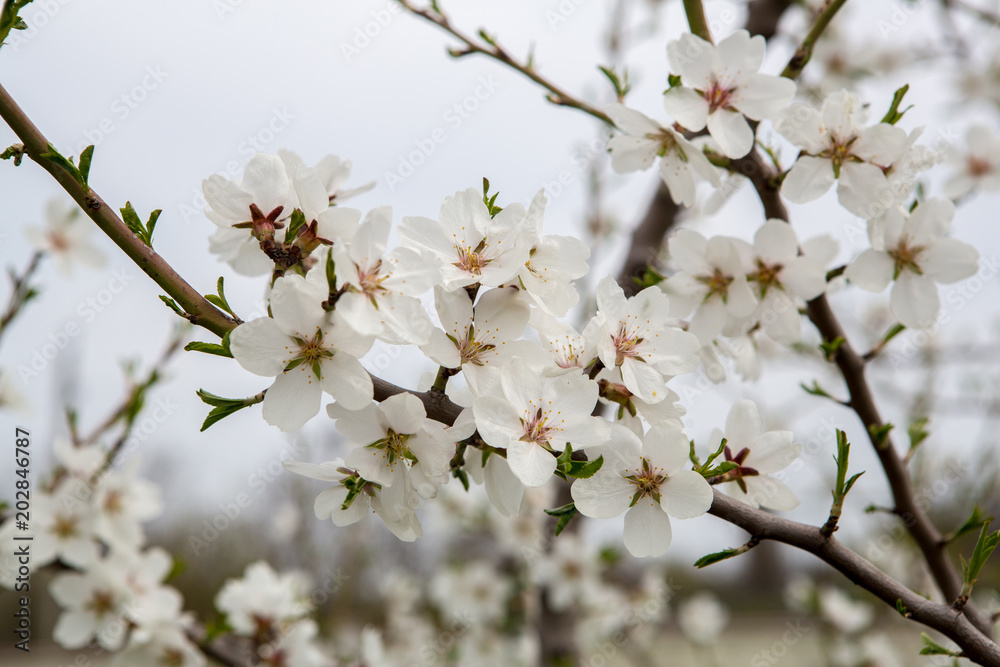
21 289
490 48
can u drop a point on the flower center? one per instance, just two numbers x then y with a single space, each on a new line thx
647 480
113 502
906 257
741 470
371 280
717 283
101 603
978 166
766 276
535 429
470 349
471 260
58 241
65 527
626 343
718 97
395 447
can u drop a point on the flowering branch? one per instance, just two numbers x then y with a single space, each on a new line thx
196 308
493 50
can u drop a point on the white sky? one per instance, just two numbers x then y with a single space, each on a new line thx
226 72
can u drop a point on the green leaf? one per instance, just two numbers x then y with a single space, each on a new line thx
830 348
880 434
223 407
52 155
85 157
621 83
984 549
931 647
649 277
220 301
565 514
490 201
901 608
585 469
975 520
816 390
720 469
711 459
893 115
177 566
136 226
9 20
172 305
461 476
712 559
297 222
673 80
917 431
208 348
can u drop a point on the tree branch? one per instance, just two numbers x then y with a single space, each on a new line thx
804 52
490 48
974 644
695 13
198 310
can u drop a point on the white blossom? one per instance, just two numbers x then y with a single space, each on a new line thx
758 454
65 236
475 339
262 600
911 251
835 147
645 140
379 287
536 417
470 246
712 283
782 277
397 434
646 479
978 166
349 500
721 86
123 502
702 618
633 336
306 352
94 604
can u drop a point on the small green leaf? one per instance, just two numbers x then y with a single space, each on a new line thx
830 347
565 514
172 305
893 115
917 431
931 647
297 222
720 469
711 459
223 407
177 566
461 476
880 434
9 20
16 151
585 469
673 80
985 546
208 348
52 155
217 627
901 608
975 520
85 157
649 277
717 557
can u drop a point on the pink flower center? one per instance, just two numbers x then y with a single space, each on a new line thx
471 260
370 279
978 166
535 429
718 97
626 344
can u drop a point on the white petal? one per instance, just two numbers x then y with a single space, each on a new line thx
743 424
763 95
261 347
647 529
915 301
775 242
632 153
687 106
631 121
605 495
685 495
871 271
771 493
666 446
731 131
293 399
404 413
532 464
808 179
949 260
882 144
502 486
